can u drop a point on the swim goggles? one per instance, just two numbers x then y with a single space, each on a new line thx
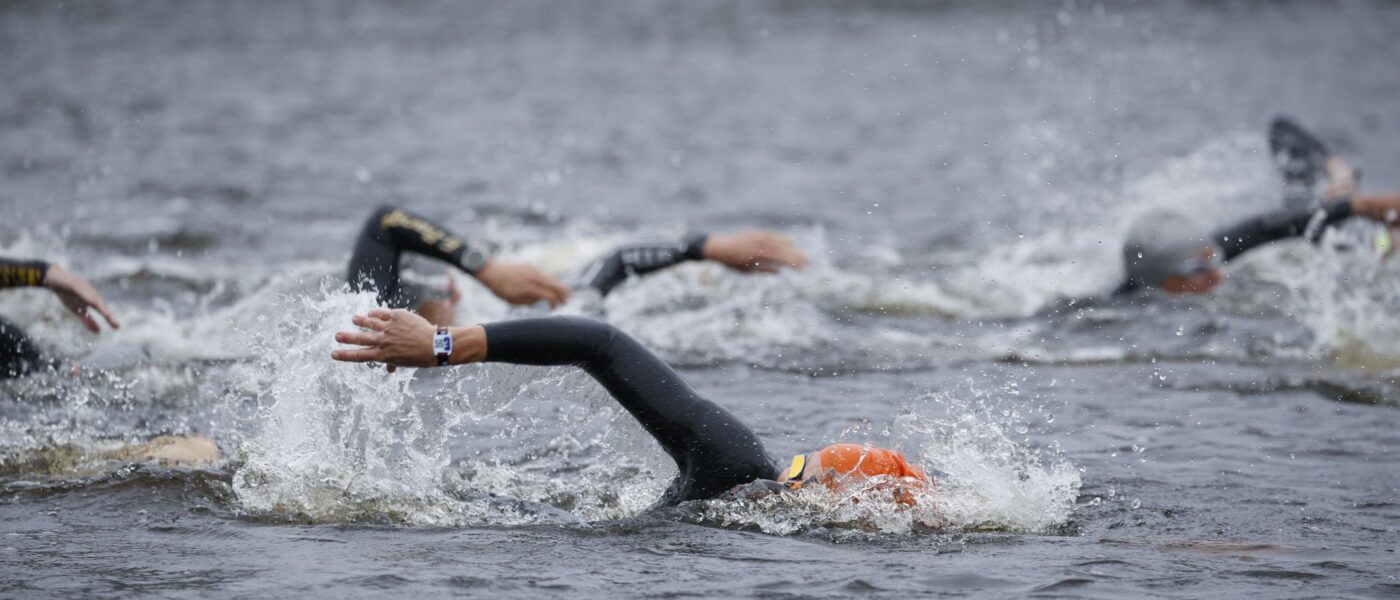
796 470
1198 264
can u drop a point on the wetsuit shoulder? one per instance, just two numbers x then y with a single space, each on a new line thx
387 234
1257 231
22 273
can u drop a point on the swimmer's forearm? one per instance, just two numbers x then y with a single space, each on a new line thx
1380 207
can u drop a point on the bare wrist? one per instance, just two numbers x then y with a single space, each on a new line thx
468 345
707 246
51 274
488 273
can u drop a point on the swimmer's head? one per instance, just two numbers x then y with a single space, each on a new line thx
1171 251
841 463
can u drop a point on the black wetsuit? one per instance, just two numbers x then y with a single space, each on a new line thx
389 232
18 354
386 235
1257 231
714 451
635 260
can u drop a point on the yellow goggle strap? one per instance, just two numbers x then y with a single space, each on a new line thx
799 463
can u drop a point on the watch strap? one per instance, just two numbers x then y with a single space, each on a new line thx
442 346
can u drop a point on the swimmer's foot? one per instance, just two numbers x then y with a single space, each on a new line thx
1300 157
1298 154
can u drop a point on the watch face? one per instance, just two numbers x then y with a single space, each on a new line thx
473 260
442 344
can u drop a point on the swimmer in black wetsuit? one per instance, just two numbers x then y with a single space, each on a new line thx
1172 252
714 451
390 231
18 354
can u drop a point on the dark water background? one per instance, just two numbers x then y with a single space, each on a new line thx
955 169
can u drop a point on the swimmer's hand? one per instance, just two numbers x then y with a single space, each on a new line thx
520 283
79 297
1384 208
401 338
754 250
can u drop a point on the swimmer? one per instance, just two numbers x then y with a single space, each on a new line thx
18 354
714 451
390 231
1179 255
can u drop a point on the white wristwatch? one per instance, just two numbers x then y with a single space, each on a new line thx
442 346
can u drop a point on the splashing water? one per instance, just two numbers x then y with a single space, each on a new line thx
337 442
1344 291
332 442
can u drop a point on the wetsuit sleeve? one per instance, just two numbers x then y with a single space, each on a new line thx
714 451
613 268
1257 231
387 234
22 273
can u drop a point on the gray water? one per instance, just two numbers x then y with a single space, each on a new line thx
955 170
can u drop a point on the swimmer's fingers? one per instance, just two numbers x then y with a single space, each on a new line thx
106 313
382 314
781 250
377 323
359 338
553 291
358 355
86 317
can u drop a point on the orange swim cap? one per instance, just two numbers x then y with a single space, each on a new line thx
855 459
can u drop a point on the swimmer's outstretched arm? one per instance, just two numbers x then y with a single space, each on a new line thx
390 231
77 295
713 449
754 250
1257 231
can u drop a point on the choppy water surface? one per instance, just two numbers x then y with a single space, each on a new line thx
956 172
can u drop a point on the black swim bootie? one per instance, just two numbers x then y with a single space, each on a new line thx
1301 159
1299 155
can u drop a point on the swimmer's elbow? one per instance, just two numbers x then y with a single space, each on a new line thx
592 334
